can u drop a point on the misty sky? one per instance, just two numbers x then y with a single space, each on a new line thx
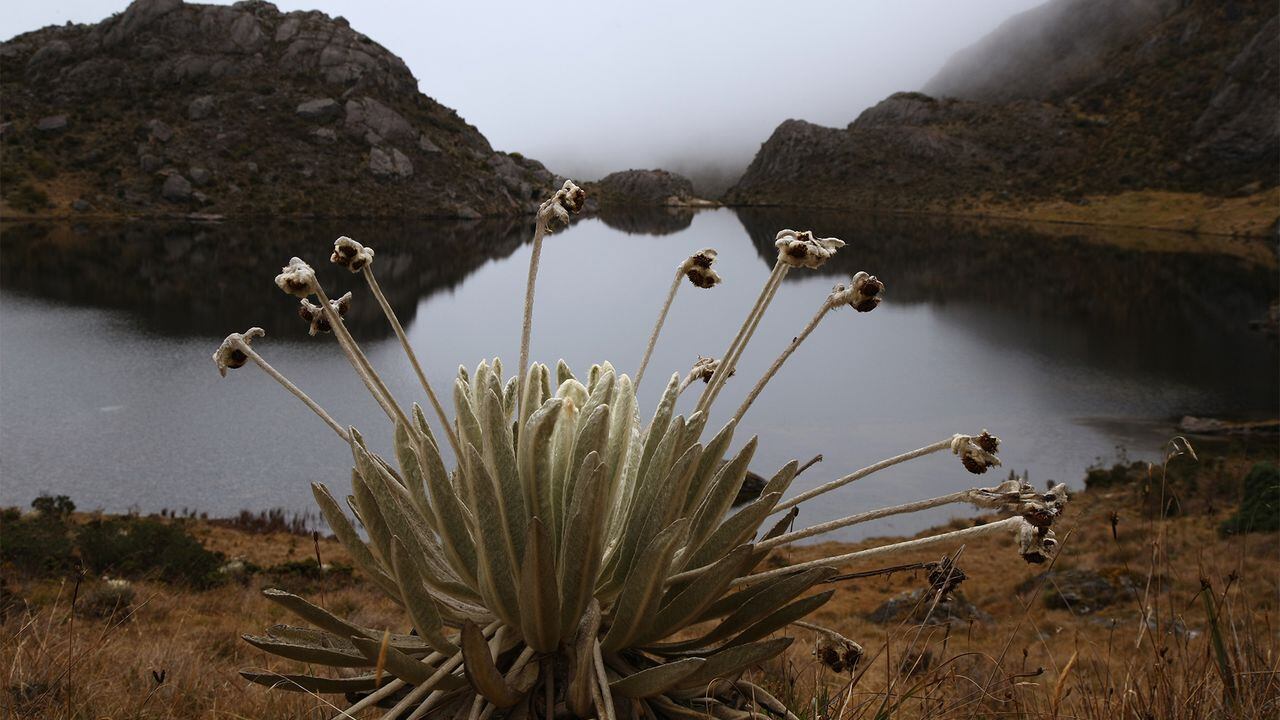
590 88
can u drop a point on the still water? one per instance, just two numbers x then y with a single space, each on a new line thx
1066 344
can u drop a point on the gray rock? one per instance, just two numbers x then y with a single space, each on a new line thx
319 109
137 16
916 604
287 29
325 136
466 212
252 167
6 128
389 164
81 205
149 163
176 188
52 123
368 115
160 131
200 176
1084 591
52 53
425 144
247 33
200 108
200 197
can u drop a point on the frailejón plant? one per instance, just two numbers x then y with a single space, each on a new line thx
578 561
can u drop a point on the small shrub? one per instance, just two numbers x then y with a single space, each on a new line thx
111 598
304 576
38 543
28 198
134 547
59 506
1260 508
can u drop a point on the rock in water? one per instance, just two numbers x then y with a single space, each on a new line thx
230 89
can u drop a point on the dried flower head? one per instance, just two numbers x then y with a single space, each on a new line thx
944 576
554 213
799 248
350 254
297 278
977 454
838 653
230 354
705 368
315 316
862 293
1035 544
698 268
1016 496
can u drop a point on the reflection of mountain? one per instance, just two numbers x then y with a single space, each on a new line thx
639 220
1147 302
195 278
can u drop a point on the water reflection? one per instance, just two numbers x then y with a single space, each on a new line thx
206 278
1063 344
1180 312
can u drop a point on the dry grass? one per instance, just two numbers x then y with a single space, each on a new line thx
1197 637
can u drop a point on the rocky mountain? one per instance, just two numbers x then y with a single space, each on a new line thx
655 188
173 108
1077 98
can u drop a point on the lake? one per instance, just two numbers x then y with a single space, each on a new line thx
1067 343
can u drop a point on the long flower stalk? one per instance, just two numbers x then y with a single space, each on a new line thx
1006 525
859 474
844 522
526 330
827 306
657 327
297 392
356 355
730 358
413 358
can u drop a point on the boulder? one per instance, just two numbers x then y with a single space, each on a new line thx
200 108
367 115
176 188
319 109
149 163
916 604
52 123
200 176
325 136
1084 591
160 131
389 164
51 54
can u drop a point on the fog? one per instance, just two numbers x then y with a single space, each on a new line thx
694 87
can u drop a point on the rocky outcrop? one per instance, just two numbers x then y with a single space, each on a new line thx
288 113
649 188
1170 96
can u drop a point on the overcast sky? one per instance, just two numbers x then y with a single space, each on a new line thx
594 87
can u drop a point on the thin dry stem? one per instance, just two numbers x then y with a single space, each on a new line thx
730 358
297 392
657 327
859 474
413 358
777 364
527 329
821 528
358 360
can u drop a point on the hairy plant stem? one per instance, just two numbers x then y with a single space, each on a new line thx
826 527
859 474
777 364
356 356
425 689
657 327
413 358
297 392
1008 524
740 340
527 329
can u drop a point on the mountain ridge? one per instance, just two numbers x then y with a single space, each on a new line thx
170 108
